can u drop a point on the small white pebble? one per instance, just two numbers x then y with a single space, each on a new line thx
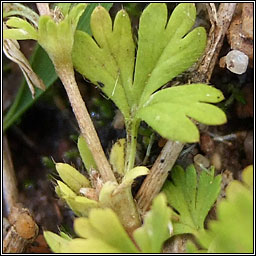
237 62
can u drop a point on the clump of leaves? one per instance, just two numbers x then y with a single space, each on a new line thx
102 232
232 232
82 194
165 49
192 196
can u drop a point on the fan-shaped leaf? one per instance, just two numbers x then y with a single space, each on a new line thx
109 61
164 50
191 198
232 232
171 108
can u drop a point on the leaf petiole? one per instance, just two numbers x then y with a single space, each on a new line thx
132 126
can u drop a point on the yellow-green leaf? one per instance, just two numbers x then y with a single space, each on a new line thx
172 107
79 245
132 174
247 176
22 25
232 232
63 190
81 205
73 178
108 62
165 48
117 156
156 227
55 242
104 225
192 197
86 154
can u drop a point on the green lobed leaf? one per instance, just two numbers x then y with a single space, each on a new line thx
43 66
156 228
173 106
165 50
86 154
232 232
192 197
104 226
84 22
57 38
109 60
73 178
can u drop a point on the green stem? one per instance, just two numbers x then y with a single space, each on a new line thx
132 126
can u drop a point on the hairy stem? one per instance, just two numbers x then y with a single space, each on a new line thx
66 74
131 142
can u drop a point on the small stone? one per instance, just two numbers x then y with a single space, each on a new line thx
237 62
201 161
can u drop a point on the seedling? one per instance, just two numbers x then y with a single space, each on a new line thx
165 49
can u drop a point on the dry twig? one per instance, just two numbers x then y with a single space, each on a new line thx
220 22
158 174
23 229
